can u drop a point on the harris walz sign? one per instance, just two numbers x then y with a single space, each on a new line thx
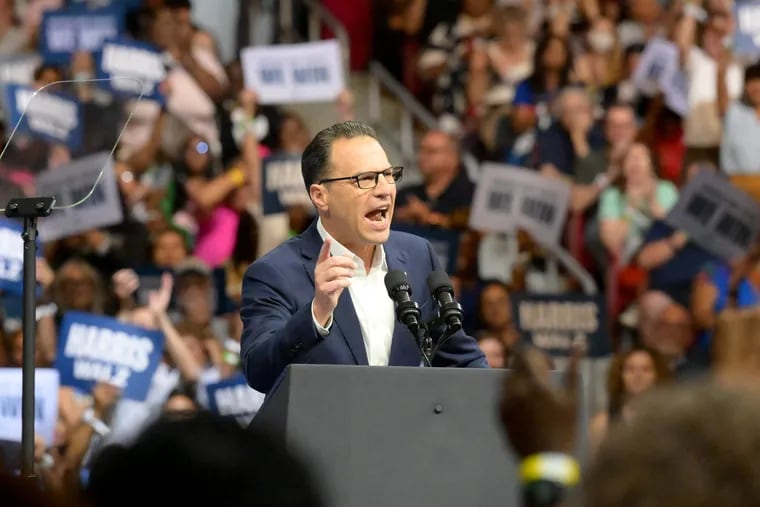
558 323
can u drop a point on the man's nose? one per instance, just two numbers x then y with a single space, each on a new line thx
383 188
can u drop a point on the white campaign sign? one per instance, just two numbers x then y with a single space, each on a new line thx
717 216
659 70
288 73
747 33
71 183
45 403
19 69
657 61
11 254
509 197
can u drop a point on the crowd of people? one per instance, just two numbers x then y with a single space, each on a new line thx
550 86
556 88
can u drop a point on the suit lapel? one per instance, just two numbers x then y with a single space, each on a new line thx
344 317
404 350
345 321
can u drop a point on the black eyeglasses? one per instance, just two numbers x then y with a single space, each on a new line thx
369 179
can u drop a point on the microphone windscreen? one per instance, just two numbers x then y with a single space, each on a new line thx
438 280
393 279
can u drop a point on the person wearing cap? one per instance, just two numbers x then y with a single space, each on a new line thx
295 306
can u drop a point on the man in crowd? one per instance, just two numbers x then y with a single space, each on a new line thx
295 306
443 198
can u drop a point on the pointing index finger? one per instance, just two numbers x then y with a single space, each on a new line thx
324 252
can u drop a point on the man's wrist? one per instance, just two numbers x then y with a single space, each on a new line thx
322 325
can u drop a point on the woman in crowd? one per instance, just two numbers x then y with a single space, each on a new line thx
77 286
631 374
627 210
496 67
551 73
601 68
496 316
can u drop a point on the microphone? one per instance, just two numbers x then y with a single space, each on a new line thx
407 311
450 311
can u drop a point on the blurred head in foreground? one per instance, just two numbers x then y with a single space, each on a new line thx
686 446
200 460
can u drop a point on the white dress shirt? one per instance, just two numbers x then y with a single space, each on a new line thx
374 308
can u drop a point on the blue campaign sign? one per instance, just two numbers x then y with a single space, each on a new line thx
93 348
78 28
132 68
50 116
130 5
747 33
235 398
558 323
445 242
283 183
12 257
45 403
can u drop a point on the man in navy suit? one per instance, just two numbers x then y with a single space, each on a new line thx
320 297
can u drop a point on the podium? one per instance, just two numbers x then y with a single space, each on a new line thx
396 436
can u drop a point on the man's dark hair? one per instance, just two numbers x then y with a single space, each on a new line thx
202 459
705 435
315 160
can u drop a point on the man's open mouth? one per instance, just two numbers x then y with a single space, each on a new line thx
378 214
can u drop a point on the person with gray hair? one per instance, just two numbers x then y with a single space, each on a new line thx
572 137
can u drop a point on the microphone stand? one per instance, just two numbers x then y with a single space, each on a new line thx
30 209
425 342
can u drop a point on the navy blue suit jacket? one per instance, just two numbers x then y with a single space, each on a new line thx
277 323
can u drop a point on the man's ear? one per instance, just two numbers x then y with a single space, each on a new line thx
319 196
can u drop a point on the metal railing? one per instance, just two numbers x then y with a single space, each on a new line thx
317 17
411 109
380 79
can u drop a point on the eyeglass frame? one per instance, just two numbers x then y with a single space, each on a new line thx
377 174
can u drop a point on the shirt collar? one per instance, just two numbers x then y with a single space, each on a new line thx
336 248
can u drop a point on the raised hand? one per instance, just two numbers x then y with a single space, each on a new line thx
104 397
332 275
125 283
248 101
158 300
45 274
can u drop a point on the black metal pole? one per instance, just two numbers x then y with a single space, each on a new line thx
29 325
29 208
